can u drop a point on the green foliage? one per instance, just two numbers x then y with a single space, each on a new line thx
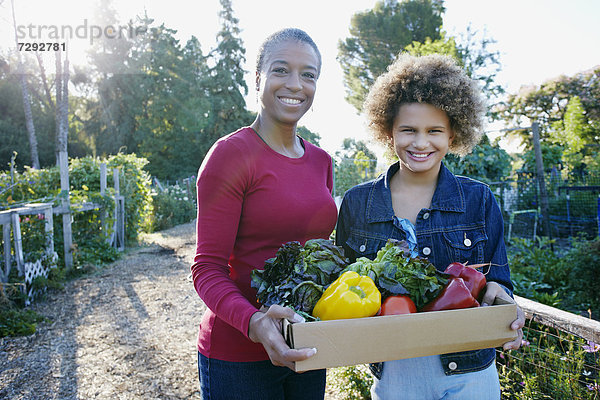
547 103
308 135
134 185
297 275
13 133
563 279
582 286
396 274
570 133
354 163
551 157
18 322
173 206
378 35
472 51
535 269
89 236
443 45
568 112
550 365
351 383
487 162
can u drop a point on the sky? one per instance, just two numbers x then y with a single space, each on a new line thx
537 39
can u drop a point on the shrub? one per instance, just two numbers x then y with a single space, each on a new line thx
172 207
352 383
18 322
582 286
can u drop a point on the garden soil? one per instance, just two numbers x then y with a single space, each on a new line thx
126 331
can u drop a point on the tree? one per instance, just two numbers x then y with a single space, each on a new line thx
13 128
308 135
473 53
570 134
354 163
488 162
547 104
377 36
227 85
116 84
33 147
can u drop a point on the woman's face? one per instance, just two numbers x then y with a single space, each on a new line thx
288 81
422 136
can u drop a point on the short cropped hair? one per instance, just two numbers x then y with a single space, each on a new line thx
432 79
284 35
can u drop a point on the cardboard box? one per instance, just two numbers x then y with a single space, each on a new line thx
393 337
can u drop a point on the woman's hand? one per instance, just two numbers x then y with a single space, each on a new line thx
493 290
265 328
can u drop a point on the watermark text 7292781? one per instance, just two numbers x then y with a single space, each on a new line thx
41 46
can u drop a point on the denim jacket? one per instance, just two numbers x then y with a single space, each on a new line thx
464 223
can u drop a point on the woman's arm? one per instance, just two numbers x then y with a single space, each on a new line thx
220 185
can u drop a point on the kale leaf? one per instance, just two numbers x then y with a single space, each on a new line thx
297 276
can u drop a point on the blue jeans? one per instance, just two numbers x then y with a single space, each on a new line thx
259 380
423 378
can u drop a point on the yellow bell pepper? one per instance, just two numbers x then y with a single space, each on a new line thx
349 296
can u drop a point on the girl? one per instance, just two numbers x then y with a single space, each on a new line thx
422 108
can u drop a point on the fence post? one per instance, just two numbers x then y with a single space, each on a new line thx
103 212
119 225
539 162
6 239
49 230
18 242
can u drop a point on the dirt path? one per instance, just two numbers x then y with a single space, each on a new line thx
126 332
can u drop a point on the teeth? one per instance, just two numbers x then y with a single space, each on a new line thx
290 101
420 155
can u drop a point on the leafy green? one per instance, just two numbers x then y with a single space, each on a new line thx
396 273
297 276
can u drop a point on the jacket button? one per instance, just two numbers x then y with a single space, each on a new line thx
426 216
426 251
467 242
452 365
362 248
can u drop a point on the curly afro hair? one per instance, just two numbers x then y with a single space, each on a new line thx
432 79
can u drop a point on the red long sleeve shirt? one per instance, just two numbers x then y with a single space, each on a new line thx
251 200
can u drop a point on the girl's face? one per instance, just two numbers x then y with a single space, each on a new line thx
288 81
422 136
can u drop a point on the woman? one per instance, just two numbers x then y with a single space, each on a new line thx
258 188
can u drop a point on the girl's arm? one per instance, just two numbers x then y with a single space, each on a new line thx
498 277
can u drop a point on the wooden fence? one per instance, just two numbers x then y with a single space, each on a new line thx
564 321
10 221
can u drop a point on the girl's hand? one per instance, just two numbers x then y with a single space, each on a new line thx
493 290
265 328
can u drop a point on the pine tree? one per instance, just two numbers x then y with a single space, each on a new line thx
228 87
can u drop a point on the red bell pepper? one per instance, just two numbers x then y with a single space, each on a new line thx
455 295
474 279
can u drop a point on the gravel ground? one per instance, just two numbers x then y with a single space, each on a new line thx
127 331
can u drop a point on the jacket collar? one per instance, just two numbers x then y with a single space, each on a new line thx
448 195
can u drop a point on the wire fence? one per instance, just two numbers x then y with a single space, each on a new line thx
551 364
573 206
